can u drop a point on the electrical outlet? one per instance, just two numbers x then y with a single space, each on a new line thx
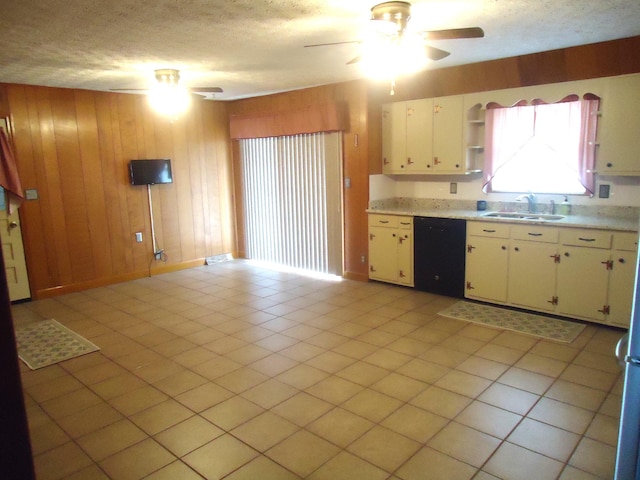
604 191
453 188
158 254
139 237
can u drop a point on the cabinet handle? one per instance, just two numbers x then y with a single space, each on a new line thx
621 260
393 235
383 221
566 254
516 249
609 164
534 234
405 223
503 247
587 239
488 231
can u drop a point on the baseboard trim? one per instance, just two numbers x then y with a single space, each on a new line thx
125 277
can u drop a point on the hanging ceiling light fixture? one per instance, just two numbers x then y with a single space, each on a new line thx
166 95
390 50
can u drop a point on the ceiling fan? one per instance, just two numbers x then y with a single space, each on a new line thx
390 21
171 76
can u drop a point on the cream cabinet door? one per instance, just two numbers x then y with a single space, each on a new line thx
448 147
383 254
619 143
582 282
405 257
621 282
532 275
419 120
486 268
394 137
13 251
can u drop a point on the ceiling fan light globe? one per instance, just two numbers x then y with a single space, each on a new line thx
169 99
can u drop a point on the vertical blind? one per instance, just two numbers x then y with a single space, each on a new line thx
292 200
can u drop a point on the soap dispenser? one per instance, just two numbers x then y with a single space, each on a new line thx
565 207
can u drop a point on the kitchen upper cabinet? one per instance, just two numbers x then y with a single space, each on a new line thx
391 249
618 140
487 261
423 136
394 137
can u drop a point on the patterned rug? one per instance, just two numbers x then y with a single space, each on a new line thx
44 343
528 323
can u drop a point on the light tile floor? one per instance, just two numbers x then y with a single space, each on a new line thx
239 372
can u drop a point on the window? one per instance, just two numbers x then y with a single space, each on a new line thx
542 147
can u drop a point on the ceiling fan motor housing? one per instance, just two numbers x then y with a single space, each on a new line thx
398 13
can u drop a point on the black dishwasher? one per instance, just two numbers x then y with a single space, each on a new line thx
439 253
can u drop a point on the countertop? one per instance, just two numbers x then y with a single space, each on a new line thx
583 221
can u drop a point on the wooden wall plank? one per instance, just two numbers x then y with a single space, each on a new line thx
89 150
74 147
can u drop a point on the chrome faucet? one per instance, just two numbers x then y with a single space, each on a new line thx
530 198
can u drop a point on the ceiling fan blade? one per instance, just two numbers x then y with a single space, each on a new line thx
206 89
453 33
435 53
332 43
354 60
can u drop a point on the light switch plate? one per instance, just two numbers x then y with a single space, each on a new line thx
31 194
453 187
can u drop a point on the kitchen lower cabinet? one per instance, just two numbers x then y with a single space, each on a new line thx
586 274
622 278
532 275
487 261
391 249
583 280
533 261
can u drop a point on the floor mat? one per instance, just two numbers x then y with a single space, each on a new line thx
522 322
47 342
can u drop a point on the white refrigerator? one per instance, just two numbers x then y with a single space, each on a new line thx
628 352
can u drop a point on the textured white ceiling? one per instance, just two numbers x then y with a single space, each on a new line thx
255 47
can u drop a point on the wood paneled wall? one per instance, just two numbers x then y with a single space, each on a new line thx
74 147
605 59
356 158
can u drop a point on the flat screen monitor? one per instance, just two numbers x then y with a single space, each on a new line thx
150 172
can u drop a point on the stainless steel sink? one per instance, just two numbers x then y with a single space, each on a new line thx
524 216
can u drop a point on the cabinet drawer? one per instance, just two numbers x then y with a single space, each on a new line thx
487 229
534 233
390 221
586 238
625 241
405 223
